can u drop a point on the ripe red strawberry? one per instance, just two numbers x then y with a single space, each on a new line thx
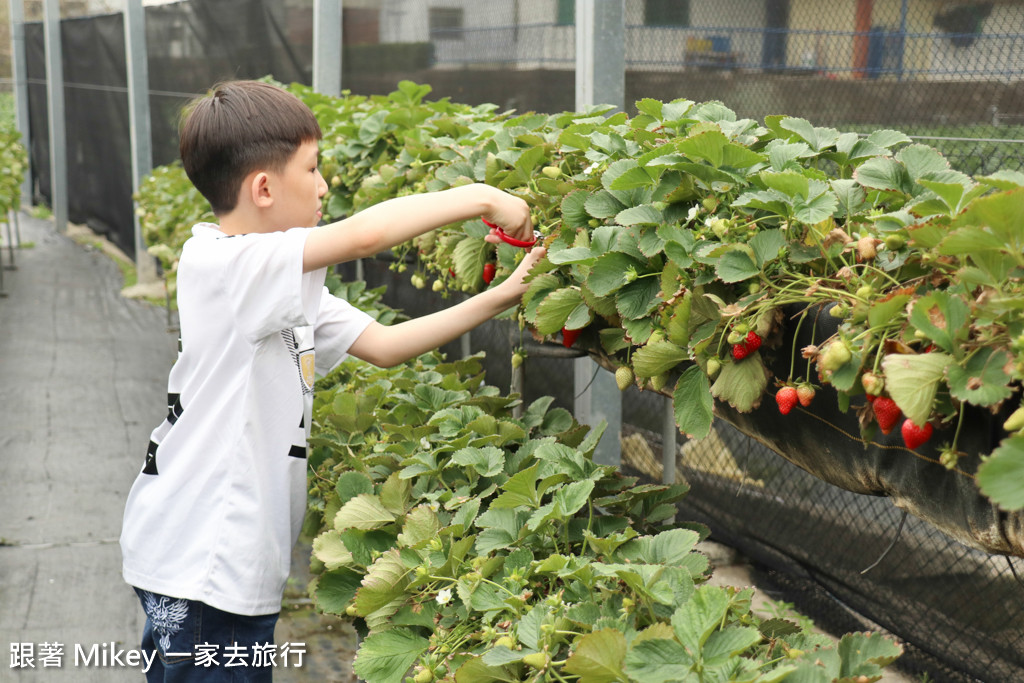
786 398
489 270
751 343
569 337
805 393
886 412
913 435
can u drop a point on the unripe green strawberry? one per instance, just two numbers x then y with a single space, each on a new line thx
894 242
538 660
658 382
417 281
624 377
714 366
949 458
1016 421
517 359
505 641
437 286
551 171
424 676
720 226
872 383
836 355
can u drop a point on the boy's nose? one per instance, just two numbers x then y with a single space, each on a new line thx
322 185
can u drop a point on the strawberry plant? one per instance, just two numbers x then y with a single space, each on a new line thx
678 234
13 163
473 546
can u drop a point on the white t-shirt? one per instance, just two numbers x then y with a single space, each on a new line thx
217 508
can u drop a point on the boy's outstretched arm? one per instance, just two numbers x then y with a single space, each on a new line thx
389 345
397 220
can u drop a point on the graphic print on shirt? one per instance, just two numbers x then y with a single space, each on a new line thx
174 411
305 362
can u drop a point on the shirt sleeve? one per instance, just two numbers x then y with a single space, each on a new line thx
269 291
338 325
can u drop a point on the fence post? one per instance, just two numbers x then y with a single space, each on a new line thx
20 88
327 44
327 47
600 79
55 114
138 123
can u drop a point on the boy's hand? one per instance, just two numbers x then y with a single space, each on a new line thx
512 215
514 283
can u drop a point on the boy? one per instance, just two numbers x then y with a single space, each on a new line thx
211 520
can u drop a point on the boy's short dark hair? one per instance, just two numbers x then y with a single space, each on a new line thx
237 128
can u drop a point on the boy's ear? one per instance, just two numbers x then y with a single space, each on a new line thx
259 189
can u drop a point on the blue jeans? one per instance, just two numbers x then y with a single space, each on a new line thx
196 642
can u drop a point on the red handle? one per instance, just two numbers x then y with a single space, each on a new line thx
511 240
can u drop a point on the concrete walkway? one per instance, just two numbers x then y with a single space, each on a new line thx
83 373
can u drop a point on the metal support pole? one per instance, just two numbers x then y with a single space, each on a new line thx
20 76
600 79
668 443
55 113
600 53
668 447
327 47
327 43
10 243
139 123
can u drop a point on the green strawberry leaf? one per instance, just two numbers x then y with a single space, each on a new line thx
556 308
883 173
638 299
1003 180
330 549
1001 474
610 272
983 380
741 384
913 379
335 590
573 209
385 581
603 204
862 654
598 657
658 660
655 358
692 403
644 214
943 317
736 265
386 656
365 511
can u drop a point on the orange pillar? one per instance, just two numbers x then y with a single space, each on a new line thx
861 39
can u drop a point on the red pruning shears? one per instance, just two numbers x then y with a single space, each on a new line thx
512 240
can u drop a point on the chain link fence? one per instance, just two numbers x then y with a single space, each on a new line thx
950 74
